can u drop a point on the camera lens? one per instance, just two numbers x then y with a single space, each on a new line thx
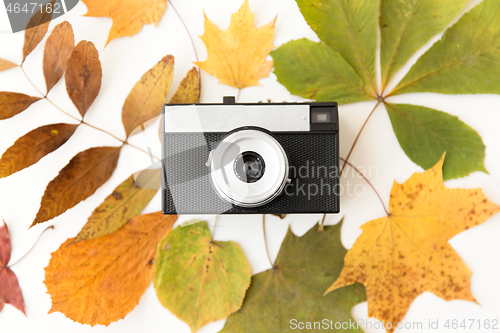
249 167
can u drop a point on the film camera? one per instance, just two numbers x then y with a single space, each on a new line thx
265 158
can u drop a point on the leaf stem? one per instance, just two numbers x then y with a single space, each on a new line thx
366 179
81 121
31 248
213 231
322 224
238 95
265 239
357 137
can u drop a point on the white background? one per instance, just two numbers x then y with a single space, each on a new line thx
124 60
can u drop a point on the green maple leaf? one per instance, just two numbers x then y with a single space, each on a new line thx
294 288
465 61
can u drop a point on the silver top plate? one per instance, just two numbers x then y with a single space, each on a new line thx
224 118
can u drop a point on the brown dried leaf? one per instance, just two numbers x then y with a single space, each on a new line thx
83 76
78 180
56 54
126 201
36 29
99 281
14 103
5 65
148 95
34 145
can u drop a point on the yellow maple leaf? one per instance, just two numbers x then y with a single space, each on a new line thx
237 56
400 256
128 15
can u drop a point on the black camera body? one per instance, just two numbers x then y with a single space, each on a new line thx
263 158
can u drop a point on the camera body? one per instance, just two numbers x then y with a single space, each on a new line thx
263 158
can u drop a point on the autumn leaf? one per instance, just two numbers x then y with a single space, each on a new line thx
126 201
99 281
128 16
12 103
425 134
83 76
189 89
34 145
57 52
36 29
294 288
407 27
10 292
78 180
188 92
237 56
400 256
465 60
5 65
349 28
147 97
197 279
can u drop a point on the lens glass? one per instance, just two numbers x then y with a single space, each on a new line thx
249 167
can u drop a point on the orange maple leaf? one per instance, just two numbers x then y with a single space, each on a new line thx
237 56
128 15
400 256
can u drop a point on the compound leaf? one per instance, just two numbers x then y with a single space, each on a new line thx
145 100
465 60
406 253
10 292
83 76
34 145
237 56
57 52
348 27
99 281
315 71
425 134
126 201
128 15
5 65
197 279
406 25
294 288
12 103
78 180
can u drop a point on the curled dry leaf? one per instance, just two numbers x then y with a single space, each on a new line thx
36 29
237 56
400 256
145 100
200 280
57 52
13 103
34 145
99 281
294 287
10 292
83 76
5 65
128 15
126 201
78 180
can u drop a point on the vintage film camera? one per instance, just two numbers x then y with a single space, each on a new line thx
265 158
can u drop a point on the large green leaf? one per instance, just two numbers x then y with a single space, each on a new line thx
406 25
197 279
313 70
294 288
465 61
425 134
350 28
